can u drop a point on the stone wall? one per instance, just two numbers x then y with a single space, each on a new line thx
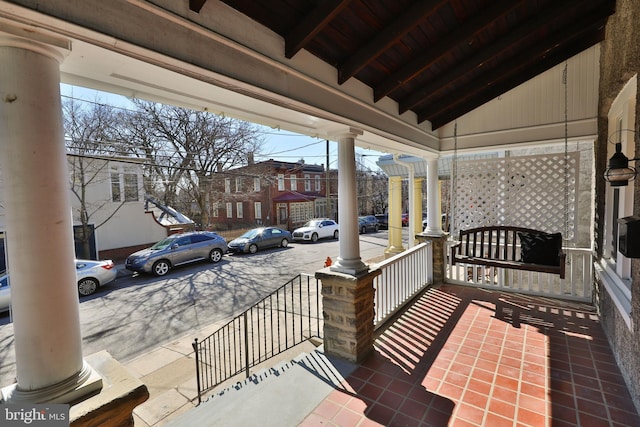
619 61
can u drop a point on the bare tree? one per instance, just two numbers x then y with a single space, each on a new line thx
379 191
185 149
88 135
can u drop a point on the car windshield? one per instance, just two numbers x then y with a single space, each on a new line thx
164 243
313 223
250 234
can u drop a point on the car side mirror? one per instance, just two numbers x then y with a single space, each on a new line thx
174 246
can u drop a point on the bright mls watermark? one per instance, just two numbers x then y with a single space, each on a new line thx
54 415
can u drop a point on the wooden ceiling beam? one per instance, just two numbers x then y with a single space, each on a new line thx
518 64
428 58
477 61
387 38
196 5
486 92
311 25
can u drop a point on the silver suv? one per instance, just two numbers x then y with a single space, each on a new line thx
178 249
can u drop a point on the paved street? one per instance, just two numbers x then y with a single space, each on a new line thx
138 313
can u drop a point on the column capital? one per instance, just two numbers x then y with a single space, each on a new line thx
341 132
48 45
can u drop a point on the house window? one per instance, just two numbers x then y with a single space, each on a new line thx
115 185
321 208
124 182
301 211
318 183
229 210
239 212
256 184
130 186
227 185
257 207
216 210
307 182
280 182
294 182
615 269
238 184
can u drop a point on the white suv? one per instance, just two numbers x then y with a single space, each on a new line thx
315 229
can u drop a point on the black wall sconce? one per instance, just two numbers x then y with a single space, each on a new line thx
619 173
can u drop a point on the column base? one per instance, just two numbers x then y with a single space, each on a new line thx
352 267
348 310
110 404
86 383
392 251
115 403
439 242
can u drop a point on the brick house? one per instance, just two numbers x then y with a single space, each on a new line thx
272 192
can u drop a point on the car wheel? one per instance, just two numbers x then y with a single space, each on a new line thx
314 237
284 243
87 286
336 234
215 255
253 248
160 268
363 230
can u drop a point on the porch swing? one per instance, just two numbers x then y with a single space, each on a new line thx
511 247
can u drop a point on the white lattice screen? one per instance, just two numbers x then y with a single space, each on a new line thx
527 191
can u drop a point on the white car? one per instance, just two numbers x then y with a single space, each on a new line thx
318 228
90 275
5 293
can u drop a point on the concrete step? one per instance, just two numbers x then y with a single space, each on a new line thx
282 395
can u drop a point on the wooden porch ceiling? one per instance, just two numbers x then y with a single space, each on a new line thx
437 58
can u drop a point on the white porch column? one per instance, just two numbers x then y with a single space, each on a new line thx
434 206
415 217
48 345
395 217
412 202
349 261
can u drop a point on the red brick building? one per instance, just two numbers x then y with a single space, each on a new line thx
272 192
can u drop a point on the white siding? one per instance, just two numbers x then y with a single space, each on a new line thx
535 110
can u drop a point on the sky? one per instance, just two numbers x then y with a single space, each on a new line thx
279 144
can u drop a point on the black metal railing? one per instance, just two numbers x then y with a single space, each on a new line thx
289 316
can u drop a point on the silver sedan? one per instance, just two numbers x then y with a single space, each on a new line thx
90 275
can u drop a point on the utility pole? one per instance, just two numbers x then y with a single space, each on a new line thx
328 184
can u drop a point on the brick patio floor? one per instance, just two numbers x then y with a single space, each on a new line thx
462 356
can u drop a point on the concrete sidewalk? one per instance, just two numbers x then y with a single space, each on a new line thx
169 372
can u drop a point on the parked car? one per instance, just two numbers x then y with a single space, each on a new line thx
178 249
260 238
90 275
443 223
318 228
93 274
383 221
368 223
5 293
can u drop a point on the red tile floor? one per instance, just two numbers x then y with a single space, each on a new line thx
462 356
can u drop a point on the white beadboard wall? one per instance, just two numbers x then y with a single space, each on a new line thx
534 112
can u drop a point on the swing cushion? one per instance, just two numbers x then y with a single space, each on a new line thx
540 248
